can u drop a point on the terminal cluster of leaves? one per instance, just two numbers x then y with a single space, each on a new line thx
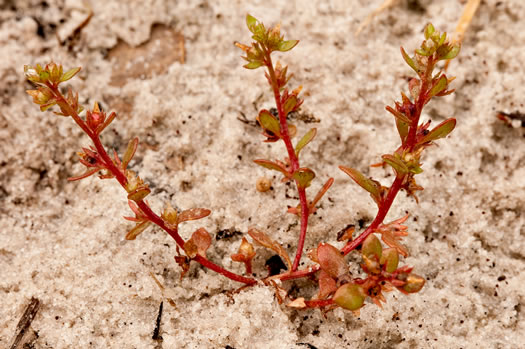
381 271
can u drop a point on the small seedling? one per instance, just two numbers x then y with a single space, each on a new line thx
381 270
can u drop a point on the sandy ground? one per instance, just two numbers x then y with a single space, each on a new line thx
63 243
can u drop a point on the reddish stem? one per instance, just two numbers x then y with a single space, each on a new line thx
235 277
319 303
121 178
294 161
408 144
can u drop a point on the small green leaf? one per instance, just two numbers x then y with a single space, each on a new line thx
130 151
372 248
402 129
304 177
349 296
439 86
69 74
44 76
409 60
454 51
253 65
366 183
273 166
390 259
289 104
397 164
287 45
429 30
440 131
269 122
251 22
307 138
424 52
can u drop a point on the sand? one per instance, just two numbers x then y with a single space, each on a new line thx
171 72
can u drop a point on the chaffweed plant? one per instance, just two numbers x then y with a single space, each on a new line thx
381 271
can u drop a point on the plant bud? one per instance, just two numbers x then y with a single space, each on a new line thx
414 283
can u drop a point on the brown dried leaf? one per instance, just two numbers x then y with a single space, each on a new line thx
265 241
297 303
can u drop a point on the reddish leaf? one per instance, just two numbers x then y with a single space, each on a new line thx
193 214
198 243
327 285
331 260
265 241
273 166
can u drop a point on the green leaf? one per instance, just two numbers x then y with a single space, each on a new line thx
251 22
429 30
269 122
289 104
372 248
397 164
366 183
287 45
307 138
440 131
69 74
390 259
350 296
273 166
304 177
439 86
454 51
409 60
130 151
253 65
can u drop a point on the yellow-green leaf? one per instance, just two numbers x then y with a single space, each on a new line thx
269 122
69 74
130 151
439 86
440 131
307 138
366 183
304 177
397 164
287 45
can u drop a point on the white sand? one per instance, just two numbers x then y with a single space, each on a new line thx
64 242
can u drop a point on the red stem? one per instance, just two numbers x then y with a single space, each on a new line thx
121 178
210 265
294 161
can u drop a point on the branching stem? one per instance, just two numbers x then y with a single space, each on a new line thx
121 178
294 161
